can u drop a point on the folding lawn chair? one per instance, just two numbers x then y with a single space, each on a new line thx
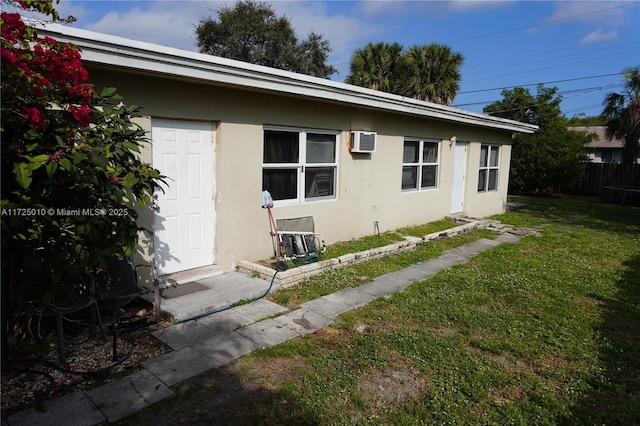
298 239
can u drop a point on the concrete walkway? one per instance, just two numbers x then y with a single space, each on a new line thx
214 340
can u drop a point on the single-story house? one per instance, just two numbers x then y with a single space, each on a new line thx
601 149
355 159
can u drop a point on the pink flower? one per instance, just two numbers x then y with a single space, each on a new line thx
8 57
55 157
12 26
84 92
17 148
82 114
35 116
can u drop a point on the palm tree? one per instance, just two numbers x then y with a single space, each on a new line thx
433 73
623 113
376 66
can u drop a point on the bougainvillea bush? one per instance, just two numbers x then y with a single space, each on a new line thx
71 176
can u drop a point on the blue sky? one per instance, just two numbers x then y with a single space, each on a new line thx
581 47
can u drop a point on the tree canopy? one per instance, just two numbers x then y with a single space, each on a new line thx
429 72
553 157
433 73
622 111
377 66
251 32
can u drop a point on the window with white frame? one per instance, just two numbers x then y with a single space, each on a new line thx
299 165
488 174
420 164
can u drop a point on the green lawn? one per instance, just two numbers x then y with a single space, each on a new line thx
545 331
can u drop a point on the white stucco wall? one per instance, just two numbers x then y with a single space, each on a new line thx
368 185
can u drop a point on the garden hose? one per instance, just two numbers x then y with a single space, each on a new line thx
206 314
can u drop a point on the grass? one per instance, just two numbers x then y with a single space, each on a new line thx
332 280
378 240
385 238
541 332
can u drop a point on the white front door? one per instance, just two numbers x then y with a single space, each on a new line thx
459 169
184 221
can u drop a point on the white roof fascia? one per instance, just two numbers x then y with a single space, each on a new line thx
98 48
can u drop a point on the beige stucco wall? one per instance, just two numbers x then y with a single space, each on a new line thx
368 185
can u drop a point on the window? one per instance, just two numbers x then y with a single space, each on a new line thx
299 165
419 165
488 175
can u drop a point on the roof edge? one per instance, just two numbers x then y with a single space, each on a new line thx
117 51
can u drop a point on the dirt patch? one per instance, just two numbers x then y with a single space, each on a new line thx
506 395
269 373
445 331
398 381
504 359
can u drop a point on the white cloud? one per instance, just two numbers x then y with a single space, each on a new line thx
344 33
472 5
432 8
168 23
175 30
598 36
602 13
173 22
381 8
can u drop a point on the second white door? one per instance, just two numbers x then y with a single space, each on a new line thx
459 170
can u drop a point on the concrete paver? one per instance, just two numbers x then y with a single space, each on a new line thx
303 321
326 307
351 297
181 335
175 367
384 285
267 333
74 409
508 238
412 274
225 347
483 244
224 321
260 309
453 259
128 395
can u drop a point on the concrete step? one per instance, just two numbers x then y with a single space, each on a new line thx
222 291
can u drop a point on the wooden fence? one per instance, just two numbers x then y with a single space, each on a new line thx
600 175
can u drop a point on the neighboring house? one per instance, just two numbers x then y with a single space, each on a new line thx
223 131
601 149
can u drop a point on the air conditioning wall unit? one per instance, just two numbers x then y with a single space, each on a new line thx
362 142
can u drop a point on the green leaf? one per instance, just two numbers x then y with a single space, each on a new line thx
131 146
51 169
98 161
65 164
37 161
23 174
108 91
78 157
32 135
